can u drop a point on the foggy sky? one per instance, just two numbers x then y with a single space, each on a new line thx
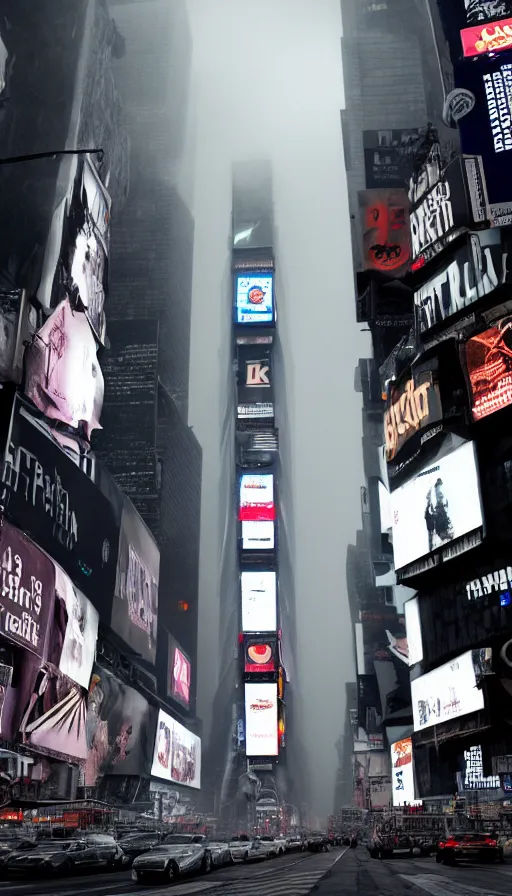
267 83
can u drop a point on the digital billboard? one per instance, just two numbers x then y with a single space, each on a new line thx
261 719
413 630
402 773
384 218
77 633
260 654
120 729
258 536
489 38
254 298
259 601
473 271
439 505
254 381
411 406
177 753
257 497
489 366
178 674
135 605
485 130
446 693
472 777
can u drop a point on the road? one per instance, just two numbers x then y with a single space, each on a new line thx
337 873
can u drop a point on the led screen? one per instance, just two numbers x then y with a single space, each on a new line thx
254 298
437 506
260 654
179 674
472 777
490 38
402 773
259 604
177 753
384 216
489 364
257 536
261 719
446 693
257 497
413 630
77 631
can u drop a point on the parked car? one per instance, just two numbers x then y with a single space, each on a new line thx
240 846
272 846
282 844
180 854
469 845
297 842
61 857
137 844
318 842
12 842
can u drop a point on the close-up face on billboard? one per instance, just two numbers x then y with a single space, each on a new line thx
177 753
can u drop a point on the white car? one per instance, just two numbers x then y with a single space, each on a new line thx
283 845
240 849
272 846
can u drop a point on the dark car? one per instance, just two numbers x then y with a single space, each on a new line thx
180 854
61 857
468 845
318 842
137 844
10 843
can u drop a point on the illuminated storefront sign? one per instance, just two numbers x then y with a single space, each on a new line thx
254 298
412 407
489 38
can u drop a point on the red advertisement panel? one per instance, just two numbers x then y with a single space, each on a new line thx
260 656
489 363
490 38
384 216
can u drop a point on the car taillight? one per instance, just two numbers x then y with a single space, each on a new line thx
450 843
492 842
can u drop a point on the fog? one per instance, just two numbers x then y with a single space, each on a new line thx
267 83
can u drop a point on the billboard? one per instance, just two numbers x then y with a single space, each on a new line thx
261 719
485 130
257 497
445 201
259 601
120 729
63 377
179 673
255 385
260 654
177 753
51 499
439 505
75 631
472 776
384 216
474 270
258 536
489 366
27 594
447 692
487 38
386 162
402 773
254 298
135 605
18 321
413 630
411 406
55 716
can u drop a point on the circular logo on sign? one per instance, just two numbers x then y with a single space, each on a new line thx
105 551
457 104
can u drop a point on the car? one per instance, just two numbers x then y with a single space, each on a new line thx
12 842
136 844
240 846
470 845
318 842
61 857
179 854
272 846
282 844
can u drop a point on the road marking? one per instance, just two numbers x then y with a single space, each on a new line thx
438 885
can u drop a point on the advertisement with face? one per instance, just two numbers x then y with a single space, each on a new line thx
81 631
79 527
412 405
254 297
385 230
261 719
258 536
135 607
177 753
120 729
446 693
402 773
63 377
179 674
260 654
489 365
485 129
255 386
437 506
259 601
27 594
257 497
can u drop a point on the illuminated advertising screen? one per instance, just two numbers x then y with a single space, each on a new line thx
255 384
179 674
260 654
437 506
75 630
55 717
489 365
261 719
254 298
412 406
135 606
489 38
413 630
259 601
120 729
258 536
485 130
177 753
447 692
384 216
257 497
402 773
472 777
